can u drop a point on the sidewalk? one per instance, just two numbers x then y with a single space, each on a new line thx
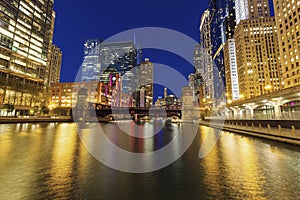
283 135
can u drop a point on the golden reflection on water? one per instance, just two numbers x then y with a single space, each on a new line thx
241 159
62 159
210 162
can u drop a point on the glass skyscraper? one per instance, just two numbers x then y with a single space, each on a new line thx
222 25
26 30
103 59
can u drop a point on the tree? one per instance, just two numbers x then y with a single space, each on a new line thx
8 107
44 110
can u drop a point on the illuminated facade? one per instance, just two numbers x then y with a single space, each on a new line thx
144 84
222 26
26 30
91 66
54 65
287 20
65 94
205 42
257 61
231 71
100 58
251 9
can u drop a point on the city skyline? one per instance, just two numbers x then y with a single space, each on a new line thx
102 24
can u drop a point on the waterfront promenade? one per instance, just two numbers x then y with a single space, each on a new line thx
286 131
9 120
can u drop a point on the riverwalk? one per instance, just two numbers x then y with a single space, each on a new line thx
10 120
287 135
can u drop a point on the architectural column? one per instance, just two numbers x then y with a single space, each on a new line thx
277 109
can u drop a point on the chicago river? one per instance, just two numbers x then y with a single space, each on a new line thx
49 161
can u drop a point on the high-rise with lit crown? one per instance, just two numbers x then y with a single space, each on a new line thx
256 68
251 9
26 30
287 15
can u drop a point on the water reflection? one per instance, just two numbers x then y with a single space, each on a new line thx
49 161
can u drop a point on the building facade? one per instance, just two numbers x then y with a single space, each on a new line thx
100 58
222 26
55 65
208 75
251 9
287 14
144 84
26 30
231 71
257 61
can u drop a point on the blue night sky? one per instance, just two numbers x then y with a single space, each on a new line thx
79 20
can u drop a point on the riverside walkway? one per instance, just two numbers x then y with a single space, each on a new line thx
8 120
265 129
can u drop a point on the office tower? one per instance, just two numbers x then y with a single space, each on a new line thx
198 59
257 61
144 84
91 65
251 9
222 26
205 42
231 71
287 21
55 64
102 58
26 30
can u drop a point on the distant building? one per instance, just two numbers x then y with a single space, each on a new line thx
65 94
287 21
100 58
91 65
144 84
55 65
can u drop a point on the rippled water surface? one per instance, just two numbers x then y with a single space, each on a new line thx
49 161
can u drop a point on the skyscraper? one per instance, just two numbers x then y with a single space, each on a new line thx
257 61
251 9
91 65
222 26
100 58
26 30
287 14
144 76
206 49
231 71
54 65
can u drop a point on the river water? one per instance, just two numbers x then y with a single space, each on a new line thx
49 161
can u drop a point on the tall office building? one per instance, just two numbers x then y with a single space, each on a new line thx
287 14
54 65
26 30
205 42
101 58
144 76
222 26
251 9
91 65
231 71
257 61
